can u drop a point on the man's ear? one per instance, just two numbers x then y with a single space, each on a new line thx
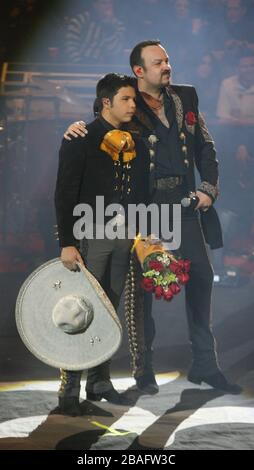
106 102
138 71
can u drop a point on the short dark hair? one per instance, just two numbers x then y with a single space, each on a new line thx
135 57
109 85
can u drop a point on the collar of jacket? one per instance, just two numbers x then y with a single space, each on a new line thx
105 123
144 113
178 106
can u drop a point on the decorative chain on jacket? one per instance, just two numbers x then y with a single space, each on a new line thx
134 315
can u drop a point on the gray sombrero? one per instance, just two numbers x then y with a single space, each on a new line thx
65 318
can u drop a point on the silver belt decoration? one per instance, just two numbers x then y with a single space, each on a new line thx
134 316
168 183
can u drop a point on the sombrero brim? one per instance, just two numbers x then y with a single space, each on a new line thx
35 302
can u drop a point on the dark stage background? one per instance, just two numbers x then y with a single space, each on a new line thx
51 56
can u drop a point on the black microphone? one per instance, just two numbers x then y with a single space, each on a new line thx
191 201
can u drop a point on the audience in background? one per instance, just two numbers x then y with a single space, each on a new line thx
183 30
236 203
143 18
234 26
212 43
95 36
207 72
236 97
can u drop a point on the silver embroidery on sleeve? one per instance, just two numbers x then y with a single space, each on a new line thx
211 190
203 128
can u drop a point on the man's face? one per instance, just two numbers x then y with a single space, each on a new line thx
235 10
156 71
104 8
182 8
205 67
123 105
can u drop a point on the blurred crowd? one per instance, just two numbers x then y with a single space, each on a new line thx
208 42
210 45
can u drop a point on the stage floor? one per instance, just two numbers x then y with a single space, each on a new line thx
180 417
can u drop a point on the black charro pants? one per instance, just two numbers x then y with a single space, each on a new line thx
108 261
198 290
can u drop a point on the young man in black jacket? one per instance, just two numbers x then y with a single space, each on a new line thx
113 164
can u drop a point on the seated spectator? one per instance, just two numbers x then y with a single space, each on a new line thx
244 170
236 97
235 208
19 21
95 36
182 30
145 22
206 80
234 29
183 23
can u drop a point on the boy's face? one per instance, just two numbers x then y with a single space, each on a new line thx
123 106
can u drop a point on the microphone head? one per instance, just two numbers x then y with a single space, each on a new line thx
190 202
186 202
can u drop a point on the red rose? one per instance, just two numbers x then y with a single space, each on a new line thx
183 278
147 284
175 267
187 265
190 118
158 292
168 295
174 288
156 265
184 264
181 264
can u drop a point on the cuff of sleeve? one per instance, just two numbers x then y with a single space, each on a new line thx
209 189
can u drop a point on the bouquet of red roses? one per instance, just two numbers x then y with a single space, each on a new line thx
163 274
